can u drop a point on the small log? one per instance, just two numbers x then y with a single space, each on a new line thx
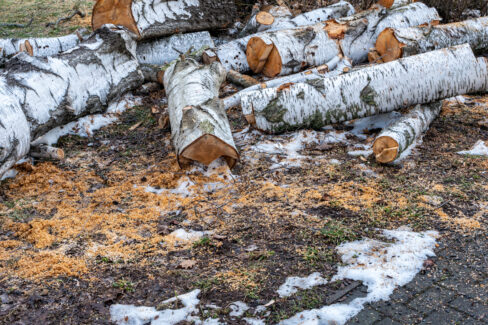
37 95
47 152
241 79
369 91
265 19
200 129
288 51
164 50
399 135
233 54
394 43
333 68
156 18
41 47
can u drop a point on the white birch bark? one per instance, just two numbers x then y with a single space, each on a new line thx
200 129
156 18
391 4
415 40
279 14
164 50
298 48
47 152
373 90
333 68
41 47
39 94
363 29
402 133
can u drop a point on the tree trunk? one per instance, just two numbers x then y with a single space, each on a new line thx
200 129
394 43
373 90
334 67
398 136
37 95
233 54
156 18
165 50
290 50
41 47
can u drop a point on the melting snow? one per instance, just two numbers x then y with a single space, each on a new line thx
238 309
479 149
294 283
190 235
183 189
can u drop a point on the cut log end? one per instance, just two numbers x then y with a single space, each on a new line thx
388 47
385 149
335 30
257 53
265 18
273 65
388 3
206 149
116 12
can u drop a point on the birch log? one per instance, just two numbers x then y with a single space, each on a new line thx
373 90
394 43
41 47
398 136
391 4
334 67
39 94
164 50
233 54
156 18
265 19
200 129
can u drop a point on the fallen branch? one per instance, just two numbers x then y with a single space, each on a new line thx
373 90
398 136
47 152
15 25
67 18
200 129
394 43
241 79
155 18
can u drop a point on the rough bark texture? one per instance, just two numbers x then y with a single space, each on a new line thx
39 94
156 18
398 136
165 50
293 50
200 129
334 67
358 33
377 89
233 54
40 47
394 43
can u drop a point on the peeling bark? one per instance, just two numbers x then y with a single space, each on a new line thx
200 129
156 18
38 94
373 90
398 136
165 50
394 43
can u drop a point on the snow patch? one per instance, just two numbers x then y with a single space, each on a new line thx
292 284
11 173
238 309
356 153
479 149
189 236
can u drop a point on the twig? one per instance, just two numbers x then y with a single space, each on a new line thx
67 18
15 25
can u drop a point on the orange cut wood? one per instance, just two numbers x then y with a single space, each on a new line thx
335 30
385 149
388 46
264 18
206 149
116 12
273 64
257 53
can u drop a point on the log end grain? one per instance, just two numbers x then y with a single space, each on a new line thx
389 3
385 149
335 30
116 12
206 149
264 18
257 53
388 47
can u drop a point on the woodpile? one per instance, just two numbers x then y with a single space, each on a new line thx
305 68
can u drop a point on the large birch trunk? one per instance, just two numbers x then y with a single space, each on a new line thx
200 129
394 43
165 50
232 55
398 136
334 67
156 18
377 89
41 47
38 94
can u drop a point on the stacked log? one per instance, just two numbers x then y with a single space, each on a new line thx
37 95
373 90
398 136
156 18
265 19
394 43
200 130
